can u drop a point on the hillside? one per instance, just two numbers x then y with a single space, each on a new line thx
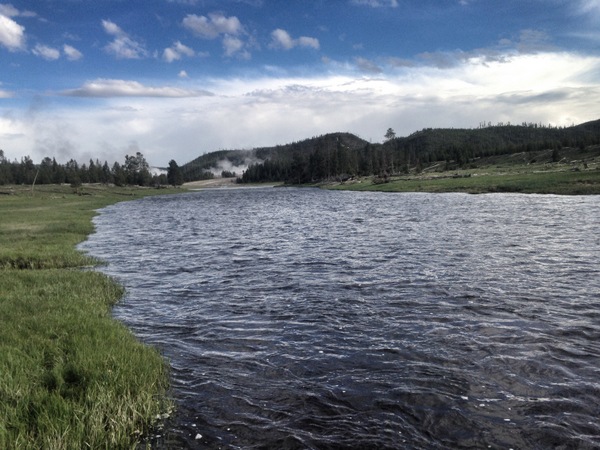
238 161
339 156
461 144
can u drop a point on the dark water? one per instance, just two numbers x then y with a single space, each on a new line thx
301 318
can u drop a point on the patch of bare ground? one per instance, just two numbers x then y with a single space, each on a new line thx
213 183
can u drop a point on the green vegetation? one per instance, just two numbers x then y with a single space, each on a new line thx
576 173
134 172
266 164
568 183
71 376
343 156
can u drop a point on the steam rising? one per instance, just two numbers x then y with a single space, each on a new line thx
226 165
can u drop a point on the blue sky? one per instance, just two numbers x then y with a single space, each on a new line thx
177 78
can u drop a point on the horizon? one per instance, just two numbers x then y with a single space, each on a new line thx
175 79
160 168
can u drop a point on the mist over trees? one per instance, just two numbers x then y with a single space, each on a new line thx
334 156
134 171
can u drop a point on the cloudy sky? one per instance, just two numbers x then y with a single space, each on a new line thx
177 78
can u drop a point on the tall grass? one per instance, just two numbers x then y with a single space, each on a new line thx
71 377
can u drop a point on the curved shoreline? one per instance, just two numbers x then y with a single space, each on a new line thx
73 376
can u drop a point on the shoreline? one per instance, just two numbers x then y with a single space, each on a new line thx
73 375
223 183
557 183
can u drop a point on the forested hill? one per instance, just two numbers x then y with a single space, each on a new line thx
237 161
459 144
343 155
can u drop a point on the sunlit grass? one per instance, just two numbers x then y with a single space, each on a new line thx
71 377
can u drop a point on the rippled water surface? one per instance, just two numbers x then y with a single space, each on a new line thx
302 318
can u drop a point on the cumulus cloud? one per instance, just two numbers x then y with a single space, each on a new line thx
12 35
123 46
281 39
217 25
166 122
177 51
376 3
9 10
52 54
72 53
234 46
48 53
213 26
310 42
126 88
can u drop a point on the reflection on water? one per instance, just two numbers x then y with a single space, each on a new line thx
301 318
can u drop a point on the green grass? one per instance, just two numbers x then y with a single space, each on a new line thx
565 183
577 174
71 377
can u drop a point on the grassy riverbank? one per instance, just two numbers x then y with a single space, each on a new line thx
577 173
70 375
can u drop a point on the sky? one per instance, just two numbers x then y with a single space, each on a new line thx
174 79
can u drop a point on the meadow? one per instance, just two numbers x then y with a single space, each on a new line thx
578 173
71 376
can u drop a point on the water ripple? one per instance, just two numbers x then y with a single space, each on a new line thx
297 318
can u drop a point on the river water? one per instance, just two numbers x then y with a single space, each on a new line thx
304 318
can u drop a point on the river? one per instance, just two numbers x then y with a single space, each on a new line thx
305 318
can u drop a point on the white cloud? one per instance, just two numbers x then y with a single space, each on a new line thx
12 35
234 46
112 28
310 42
123 46
167 123
213 26
48 53
72 53
217 25
177 51
9 10
588 7
170 55
377 3
281 39
126 88
183 74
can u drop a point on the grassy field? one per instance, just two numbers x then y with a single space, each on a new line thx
577 173
71 377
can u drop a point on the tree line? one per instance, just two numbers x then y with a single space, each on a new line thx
133 171
331 157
